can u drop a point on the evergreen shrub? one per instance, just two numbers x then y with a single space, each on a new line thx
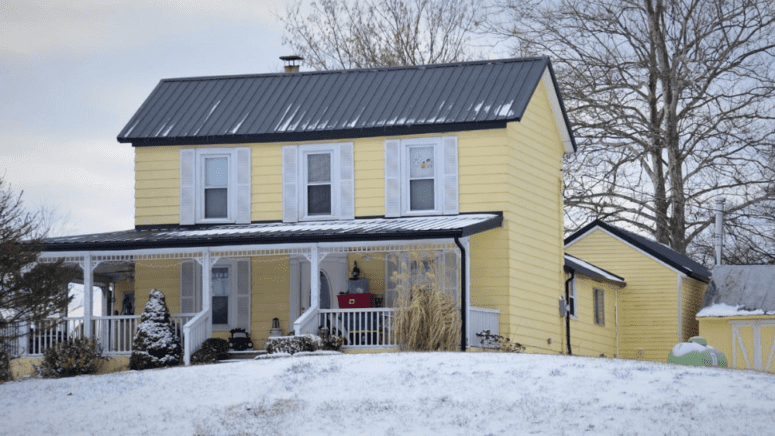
70 358
5 367
292 344
155 344
212 350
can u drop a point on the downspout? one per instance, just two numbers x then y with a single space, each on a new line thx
567 312
463 302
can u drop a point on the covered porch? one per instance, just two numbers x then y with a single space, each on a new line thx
220 277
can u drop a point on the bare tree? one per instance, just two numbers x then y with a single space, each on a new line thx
671 102
29 291
335 34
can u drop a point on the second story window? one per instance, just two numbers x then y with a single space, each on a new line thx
421 176
318 182
215 186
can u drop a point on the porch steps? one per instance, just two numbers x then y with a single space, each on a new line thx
238 356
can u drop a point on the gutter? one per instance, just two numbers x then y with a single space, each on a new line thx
463 302
567 312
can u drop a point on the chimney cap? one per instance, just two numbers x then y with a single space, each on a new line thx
291 58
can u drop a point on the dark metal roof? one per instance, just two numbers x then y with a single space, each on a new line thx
338 104
747 288
662 252
361 229
575 264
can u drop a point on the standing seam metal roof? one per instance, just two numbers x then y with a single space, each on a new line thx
337 104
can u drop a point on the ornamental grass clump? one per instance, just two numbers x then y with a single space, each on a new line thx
155 344
427 318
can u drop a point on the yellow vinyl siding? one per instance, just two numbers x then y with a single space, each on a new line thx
692 293
588 338
533 220
648 306
270 282
163 275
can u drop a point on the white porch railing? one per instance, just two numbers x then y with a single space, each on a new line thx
482 319
195 332
306 323
114 334
360 328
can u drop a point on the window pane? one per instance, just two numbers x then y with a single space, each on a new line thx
220 310
216 203
319 200
421 194
220 281
318 168
216 171
421 162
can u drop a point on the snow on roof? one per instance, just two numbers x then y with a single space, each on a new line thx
739 290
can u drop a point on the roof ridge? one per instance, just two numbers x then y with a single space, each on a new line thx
357 70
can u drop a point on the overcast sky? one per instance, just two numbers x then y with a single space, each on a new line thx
73 72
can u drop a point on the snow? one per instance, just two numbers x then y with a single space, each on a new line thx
397 394
685 348
722 309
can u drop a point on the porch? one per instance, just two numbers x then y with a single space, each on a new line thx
221 277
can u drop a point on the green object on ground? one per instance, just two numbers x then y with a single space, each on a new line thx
697 352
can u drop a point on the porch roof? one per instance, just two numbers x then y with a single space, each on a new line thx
359 229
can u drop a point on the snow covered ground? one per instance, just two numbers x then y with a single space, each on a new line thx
398 394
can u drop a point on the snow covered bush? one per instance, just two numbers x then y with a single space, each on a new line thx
71 358
292 344
329 341
427 318
155 344
5 367
212 350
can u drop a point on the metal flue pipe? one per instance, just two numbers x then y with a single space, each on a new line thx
719 228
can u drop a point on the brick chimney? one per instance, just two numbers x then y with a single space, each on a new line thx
292 63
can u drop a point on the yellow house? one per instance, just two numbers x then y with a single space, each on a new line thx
663 292
257 195
738 315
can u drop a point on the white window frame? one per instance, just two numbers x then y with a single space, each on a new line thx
438 175
573 309
601 292
231 264
304 151
231 208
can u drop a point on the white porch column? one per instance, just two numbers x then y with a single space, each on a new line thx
466 261
314 277
207 299
88 290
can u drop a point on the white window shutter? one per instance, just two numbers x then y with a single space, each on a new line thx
243 185
346 182
450 176
187 186
290 184
243 294
187 286
392 178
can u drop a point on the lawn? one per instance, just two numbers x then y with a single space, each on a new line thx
398 394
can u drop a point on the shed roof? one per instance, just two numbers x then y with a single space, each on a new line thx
740 290
660 251
586 268
359 229
341 104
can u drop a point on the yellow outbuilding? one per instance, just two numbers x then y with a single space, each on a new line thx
738 315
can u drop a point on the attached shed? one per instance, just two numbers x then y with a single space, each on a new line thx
738 315
664 287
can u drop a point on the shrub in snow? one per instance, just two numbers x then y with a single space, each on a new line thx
70 358
5 367
329 341
155 344
212 350
292 344
502 343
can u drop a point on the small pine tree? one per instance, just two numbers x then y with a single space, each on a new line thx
5 366
155 344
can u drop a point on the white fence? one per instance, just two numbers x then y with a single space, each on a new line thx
360 328
114 334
